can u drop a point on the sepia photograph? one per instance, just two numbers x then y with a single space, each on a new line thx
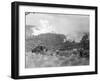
56 40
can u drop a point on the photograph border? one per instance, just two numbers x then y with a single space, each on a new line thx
15 39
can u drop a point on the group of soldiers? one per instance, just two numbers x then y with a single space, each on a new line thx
44 51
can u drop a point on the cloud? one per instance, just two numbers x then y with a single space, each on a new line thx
72 25
44 27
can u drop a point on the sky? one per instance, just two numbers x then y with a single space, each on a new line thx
71 25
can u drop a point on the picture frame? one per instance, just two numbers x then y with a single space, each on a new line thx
50 16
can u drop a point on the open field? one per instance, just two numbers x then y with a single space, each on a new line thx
47 60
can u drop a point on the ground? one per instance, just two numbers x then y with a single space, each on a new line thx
47 60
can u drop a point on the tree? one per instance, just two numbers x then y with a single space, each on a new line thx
28 31
84 46
85 41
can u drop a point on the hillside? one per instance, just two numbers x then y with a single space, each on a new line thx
50 40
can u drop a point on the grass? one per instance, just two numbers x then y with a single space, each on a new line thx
47 60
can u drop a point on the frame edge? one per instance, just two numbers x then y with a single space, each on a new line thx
14 41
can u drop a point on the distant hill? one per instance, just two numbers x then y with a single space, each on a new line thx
50 40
